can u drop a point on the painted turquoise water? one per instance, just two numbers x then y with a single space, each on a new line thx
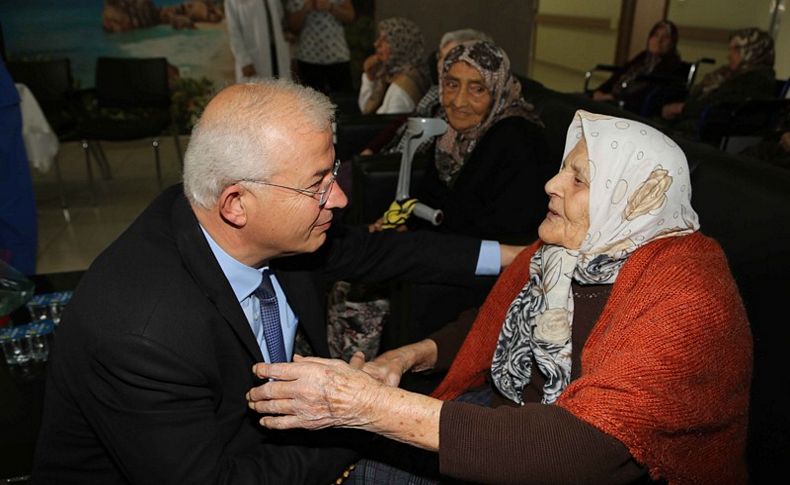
72 28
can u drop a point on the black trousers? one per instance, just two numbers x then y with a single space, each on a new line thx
327 78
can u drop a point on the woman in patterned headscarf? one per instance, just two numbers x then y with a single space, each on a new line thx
749 74
396 76
490 165
487 178
615 349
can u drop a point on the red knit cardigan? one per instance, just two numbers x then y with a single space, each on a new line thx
666 369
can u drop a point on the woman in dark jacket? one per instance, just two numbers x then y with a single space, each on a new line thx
749 74
660 58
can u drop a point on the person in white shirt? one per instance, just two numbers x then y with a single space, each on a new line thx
396 76
256 39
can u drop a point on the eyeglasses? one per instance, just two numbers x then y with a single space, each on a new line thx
323 193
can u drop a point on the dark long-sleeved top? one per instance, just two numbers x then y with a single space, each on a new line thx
670 67
755 83
498 193
583 454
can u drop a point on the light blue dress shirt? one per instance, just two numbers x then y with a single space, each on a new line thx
244 280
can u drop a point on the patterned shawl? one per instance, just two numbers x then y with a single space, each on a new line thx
757 52
493 64
639 191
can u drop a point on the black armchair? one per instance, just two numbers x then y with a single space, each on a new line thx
132 102
52 84
734 125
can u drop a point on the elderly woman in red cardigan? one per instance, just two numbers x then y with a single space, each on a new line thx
615 349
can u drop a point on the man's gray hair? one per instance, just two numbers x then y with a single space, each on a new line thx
236 138
464 35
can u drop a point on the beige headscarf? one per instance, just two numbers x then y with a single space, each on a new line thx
640 191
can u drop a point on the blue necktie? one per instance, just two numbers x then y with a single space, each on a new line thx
270 317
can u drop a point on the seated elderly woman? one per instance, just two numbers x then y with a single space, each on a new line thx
490 165
660 58
749 74
396 76
487 177
617 346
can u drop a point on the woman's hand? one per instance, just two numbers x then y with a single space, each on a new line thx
672 110
313 393
601 96
372 67
378 226
390 366
784 141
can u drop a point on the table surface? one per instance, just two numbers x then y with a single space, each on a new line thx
22 392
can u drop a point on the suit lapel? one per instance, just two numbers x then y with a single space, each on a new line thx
200 262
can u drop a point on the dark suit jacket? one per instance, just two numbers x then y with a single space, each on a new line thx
154 356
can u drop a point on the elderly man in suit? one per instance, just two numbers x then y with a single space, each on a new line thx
154 355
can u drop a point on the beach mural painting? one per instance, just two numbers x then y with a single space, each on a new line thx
191 34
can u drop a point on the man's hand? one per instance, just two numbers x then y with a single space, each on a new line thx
248 70
507 253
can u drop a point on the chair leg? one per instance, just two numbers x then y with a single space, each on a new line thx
63 204
101 160
179 151
155 144
86 148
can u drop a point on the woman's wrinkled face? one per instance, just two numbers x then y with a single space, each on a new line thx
568 219
465 97
734 55
382 46
660 43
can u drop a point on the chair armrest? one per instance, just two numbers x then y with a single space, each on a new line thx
374 180
354 132
598 67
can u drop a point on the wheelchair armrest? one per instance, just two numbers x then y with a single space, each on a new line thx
374 180
598 67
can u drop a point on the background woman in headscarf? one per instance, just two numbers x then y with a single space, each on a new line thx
396 76
490 165
487 178
660 58
617 345
749 74
487 175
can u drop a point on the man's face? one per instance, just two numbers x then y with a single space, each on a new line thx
283 221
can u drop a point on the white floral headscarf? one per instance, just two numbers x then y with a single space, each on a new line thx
639 191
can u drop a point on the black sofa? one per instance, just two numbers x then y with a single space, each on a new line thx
745 205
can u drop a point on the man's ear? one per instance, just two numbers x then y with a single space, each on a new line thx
231 205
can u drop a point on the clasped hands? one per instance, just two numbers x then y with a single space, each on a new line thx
316 393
